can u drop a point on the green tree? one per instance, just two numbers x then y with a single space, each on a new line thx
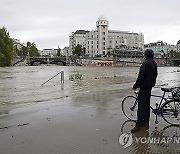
58 52
31 48
24 51
33 51
78 51
174 54
6 48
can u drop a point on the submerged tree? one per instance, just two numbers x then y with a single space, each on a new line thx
6 48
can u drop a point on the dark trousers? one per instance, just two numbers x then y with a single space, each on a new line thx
143 113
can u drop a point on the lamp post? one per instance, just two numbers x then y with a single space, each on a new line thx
28 58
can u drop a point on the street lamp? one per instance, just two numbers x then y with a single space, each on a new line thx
28 58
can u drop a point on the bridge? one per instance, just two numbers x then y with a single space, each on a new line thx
175 62
47 60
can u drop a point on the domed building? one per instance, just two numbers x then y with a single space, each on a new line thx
102 17
102 40
178 42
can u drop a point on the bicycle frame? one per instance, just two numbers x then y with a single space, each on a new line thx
158 96
156 110
162 98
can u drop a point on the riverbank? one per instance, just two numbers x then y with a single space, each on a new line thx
76 117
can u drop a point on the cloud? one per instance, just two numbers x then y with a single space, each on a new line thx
49 23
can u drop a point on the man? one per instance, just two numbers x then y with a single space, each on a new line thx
145 81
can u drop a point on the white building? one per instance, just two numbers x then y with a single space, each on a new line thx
178 46
17 44
160 48
49 52
102 40
65 51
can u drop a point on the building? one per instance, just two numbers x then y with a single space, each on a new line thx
160 48
17 45
49 52
65 51
102 40
178 46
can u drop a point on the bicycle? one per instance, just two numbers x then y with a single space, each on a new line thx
168 108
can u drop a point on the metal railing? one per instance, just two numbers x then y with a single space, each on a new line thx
61 78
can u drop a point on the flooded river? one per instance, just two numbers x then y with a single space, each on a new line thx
22 85
80 116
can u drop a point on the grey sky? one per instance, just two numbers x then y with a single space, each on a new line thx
49 23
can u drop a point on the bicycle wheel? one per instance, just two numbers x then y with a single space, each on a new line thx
170 112
129 107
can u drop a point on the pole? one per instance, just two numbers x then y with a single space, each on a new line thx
55 76
62 76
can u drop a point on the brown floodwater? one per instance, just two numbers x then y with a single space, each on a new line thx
102 88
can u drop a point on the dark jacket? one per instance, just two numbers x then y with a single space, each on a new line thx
147 74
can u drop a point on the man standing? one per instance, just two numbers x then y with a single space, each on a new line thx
145 81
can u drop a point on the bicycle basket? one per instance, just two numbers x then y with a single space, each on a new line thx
176 92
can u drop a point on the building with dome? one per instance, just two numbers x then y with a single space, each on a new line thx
102 40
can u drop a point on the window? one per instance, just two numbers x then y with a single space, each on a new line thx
104 43
104 26
97 42
92 36
104 48
97 46
97 36
110 42
92 42
116 41
104 33
104 38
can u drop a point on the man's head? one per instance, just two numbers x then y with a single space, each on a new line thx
149 53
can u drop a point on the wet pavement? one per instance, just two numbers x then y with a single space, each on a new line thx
81 116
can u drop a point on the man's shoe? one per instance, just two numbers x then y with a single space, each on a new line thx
135 129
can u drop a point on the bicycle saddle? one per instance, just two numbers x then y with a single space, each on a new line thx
166 89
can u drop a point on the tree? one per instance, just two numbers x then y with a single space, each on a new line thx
78 51
58 52
33 51
174 54
31 48
6 48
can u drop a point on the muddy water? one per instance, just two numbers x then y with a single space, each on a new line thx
22 85
101 89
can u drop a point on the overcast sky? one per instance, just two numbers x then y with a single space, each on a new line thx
49 23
